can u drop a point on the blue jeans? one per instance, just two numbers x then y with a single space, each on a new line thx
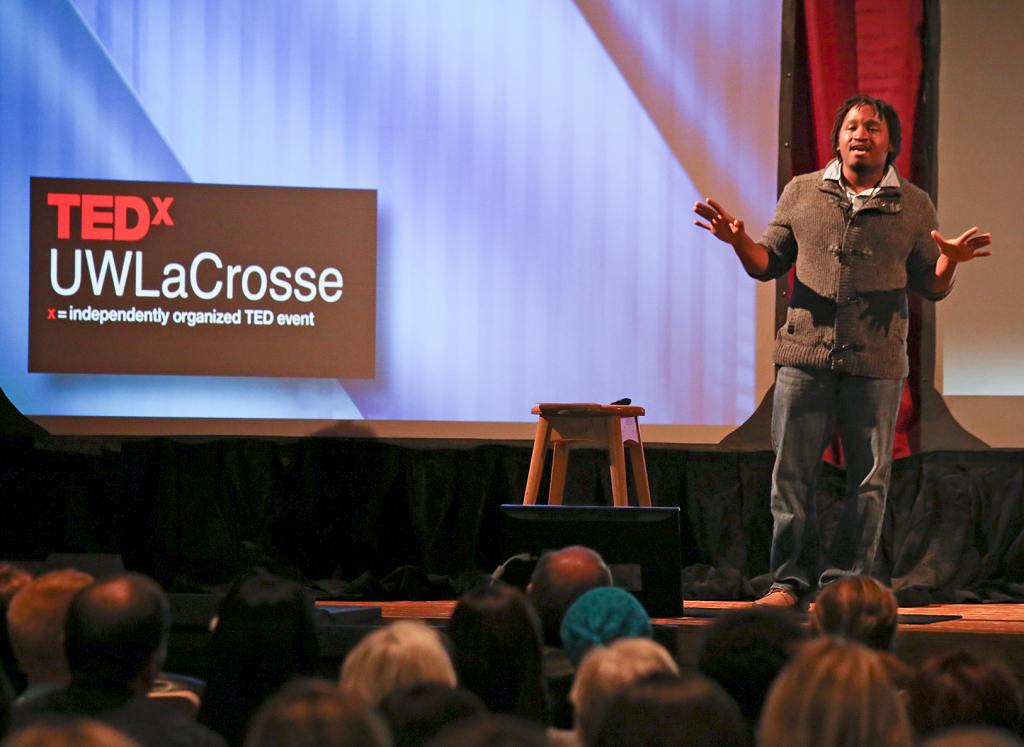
807 405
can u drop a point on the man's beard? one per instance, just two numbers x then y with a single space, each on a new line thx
862 167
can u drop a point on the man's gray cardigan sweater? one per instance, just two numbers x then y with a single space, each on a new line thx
848 308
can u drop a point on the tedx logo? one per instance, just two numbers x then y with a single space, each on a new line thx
108 217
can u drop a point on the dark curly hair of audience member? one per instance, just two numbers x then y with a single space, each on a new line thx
666 711
312 712
974 736
497 642
857 608
833 694
416 713
265 635
491 730
744 650
959 689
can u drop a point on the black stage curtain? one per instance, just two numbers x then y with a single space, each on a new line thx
378 520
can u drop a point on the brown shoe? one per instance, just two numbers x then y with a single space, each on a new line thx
777 597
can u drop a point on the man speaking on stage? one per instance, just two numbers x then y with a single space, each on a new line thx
858 234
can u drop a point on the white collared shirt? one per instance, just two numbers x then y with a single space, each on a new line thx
834 173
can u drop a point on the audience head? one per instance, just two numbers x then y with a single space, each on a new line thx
901 674
80 733
974 736
833 694
744 650
415 714
35 624
606 671
958 689
12 578
561 578
314 713
672 712
115 635
497 642
265 635
6 701
599 617
857 608
491 730
402 654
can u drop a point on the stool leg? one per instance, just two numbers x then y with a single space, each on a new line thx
617 457
643 488
559 462
540 447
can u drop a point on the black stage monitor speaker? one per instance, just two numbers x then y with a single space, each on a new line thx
641 545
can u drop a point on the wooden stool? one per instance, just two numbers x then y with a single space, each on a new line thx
568 426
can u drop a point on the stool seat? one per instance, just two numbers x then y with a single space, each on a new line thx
565 426
587 410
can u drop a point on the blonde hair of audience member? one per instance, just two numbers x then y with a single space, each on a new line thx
402 654
857 608
312 712
35 625
834 693
606 671
81 733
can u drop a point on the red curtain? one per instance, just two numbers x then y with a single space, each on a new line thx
845 47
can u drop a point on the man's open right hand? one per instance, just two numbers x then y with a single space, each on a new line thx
719 222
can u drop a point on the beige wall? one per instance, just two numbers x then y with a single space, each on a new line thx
981 173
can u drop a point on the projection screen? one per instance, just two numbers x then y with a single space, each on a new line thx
531 164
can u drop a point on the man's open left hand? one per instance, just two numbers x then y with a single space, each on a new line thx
965 247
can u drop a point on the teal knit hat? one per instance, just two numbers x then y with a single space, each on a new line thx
599 617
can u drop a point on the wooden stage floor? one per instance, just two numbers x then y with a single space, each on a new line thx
989 630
